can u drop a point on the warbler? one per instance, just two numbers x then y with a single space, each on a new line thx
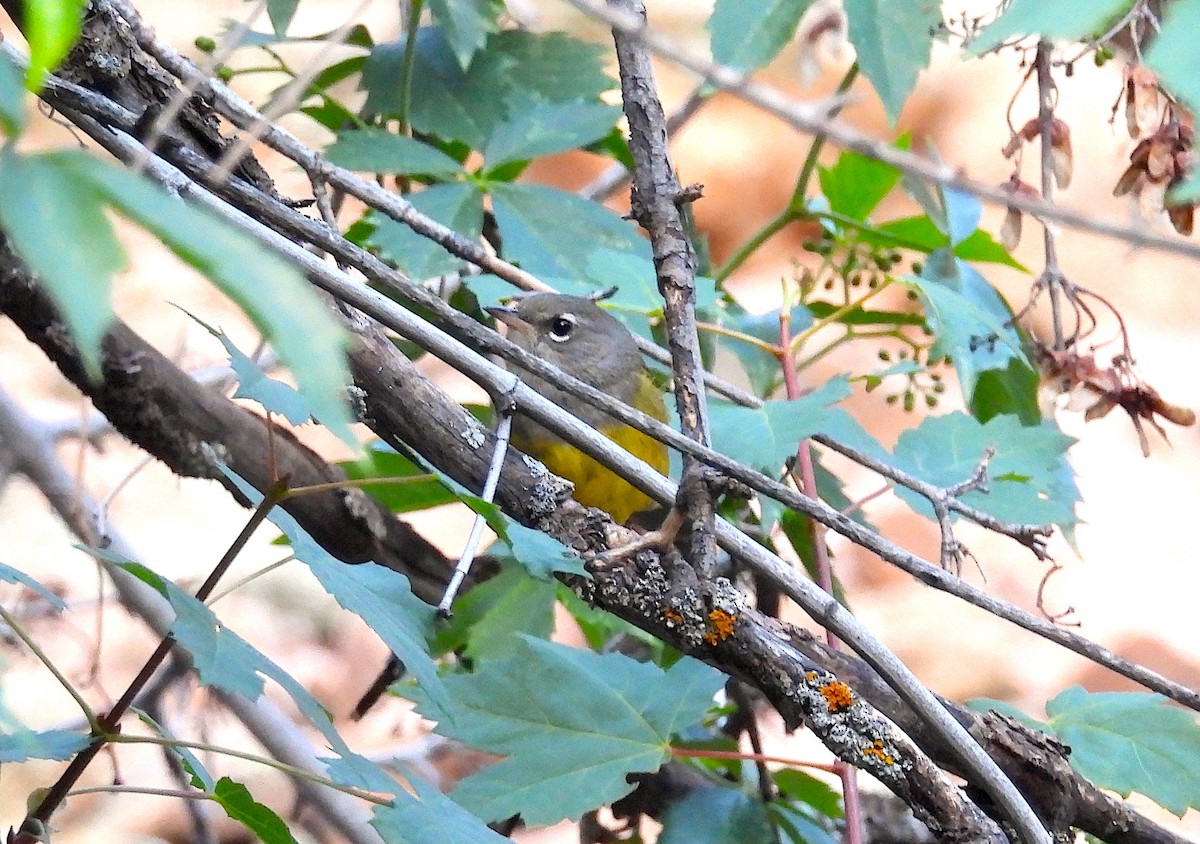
583 339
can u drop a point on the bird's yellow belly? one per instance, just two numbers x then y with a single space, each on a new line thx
595 485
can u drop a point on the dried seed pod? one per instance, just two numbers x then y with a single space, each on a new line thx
1010 230
1184 417
1182 219
1143 103
1160 163
1061 157
1129 180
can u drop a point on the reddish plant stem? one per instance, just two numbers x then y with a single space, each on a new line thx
751 757
109 723
808 481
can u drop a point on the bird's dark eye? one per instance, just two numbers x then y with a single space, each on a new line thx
561 327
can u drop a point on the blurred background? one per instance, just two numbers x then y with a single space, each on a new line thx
1131 579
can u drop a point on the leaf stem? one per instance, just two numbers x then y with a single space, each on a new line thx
295 492
712 328
412 24
795 210
799 340
689 753
24 636
808 484
107 725
814 151
282 767
141 789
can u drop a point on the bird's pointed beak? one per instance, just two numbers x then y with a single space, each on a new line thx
509 317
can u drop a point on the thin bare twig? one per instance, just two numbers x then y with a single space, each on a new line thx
1051 278
40 463
504 410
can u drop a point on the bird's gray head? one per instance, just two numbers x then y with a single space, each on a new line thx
577 336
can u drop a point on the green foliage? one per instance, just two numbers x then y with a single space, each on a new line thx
717 815
380 596
22 745
765 437
280 13
554 233
761 367
855 184
521 96
379 151
1131 742
921 233
1031 481
41 195
488 618
12 98
457 205
51 27
237 802
540 554
274 395
466 24
273 294
221 657
70 192
430 816
468 105
1049 20
192 766
571 724
11 575
747 34
1125 742
536 129
971 323
801 789
799 827
893 39
414 489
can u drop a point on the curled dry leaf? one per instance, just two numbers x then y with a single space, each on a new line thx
1097 390
822 37
1028 132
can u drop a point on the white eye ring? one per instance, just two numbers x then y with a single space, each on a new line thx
561 327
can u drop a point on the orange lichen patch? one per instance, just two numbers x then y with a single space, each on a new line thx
672 617
838 696
722 626
877 750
